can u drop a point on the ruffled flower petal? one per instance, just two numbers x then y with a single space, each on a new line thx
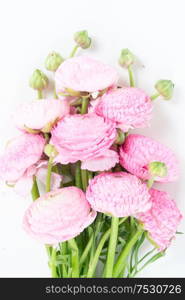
102 163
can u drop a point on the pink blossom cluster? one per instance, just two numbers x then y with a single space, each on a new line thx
90 138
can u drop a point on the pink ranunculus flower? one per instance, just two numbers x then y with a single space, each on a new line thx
58 216
24 184
119 194
162 219
21 153
105 162
82 137
40 114
128 107
138 151
84 74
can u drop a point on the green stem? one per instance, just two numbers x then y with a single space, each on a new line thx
85 103
35 190
112 247
122 273
92 247
63 251
143 258
154 96
39 94
131 77
125 252
74 258
78 182
90 175
49 250
151 260
84 176
94 262
53 264
86 251
84 173
122 220
48 176
74 51
132 225
47 137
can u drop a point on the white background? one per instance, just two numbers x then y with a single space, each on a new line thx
29 31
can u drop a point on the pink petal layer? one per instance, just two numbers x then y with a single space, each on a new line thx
84 73
39 113
21 153
58 216
162 219
138 151
82 137
24 185
102 163
128 107
119 194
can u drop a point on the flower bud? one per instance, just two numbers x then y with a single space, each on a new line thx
157 168
120 137
50 151
126 58
82 39
165 88
53 61
38 80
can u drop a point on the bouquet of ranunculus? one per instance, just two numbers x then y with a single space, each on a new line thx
90 177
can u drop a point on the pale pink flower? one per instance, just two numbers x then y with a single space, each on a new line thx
128 107
40 114
119 194
58 216
21 153
82 137
162 219
104 162
24 184
138 151
84 74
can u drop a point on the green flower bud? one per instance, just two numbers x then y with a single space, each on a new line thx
126 58
82 39
157 168
120 137
50 151
165 88
38 80
53 61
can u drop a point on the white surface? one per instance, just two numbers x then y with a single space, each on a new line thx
29 31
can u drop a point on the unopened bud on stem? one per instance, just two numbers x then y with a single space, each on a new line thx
126 58
82 39
53 61
38 80
50 151
120 137
157 168
165 88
